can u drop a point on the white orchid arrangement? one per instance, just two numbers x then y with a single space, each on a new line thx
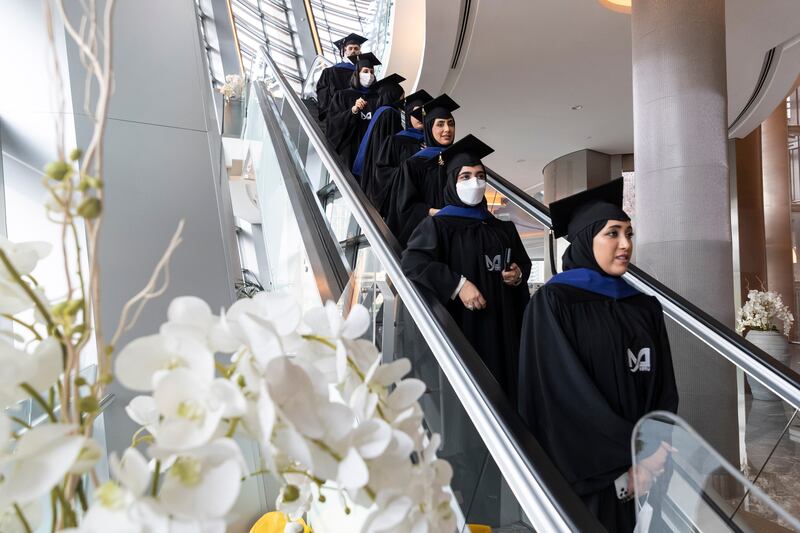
233 87
333 423
763 311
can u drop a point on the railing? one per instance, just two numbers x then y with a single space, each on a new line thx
543 494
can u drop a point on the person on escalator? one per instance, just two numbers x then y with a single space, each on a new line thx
385 122
351 110
474 263
417 188
394 151
334 79
595 358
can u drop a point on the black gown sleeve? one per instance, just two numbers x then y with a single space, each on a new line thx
408 206
585 438
519 255
341 121
423 262
324 92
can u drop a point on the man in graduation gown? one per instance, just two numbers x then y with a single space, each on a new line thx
337 77
474 263
594 356
394 150
418 187
385 122
351 110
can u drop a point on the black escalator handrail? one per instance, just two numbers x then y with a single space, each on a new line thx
776 376
544 495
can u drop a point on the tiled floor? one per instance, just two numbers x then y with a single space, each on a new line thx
780 478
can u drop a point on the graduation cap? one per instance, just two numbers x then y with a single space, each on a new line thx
353 38
468 150
442 102
574 213
390 79
421 96
366 60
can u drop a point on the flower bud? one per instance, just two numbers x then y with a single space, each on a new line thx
89 404
75 154
90 207
58 170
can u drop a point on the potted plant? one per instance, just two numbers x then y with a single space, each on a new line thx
233 92
761 315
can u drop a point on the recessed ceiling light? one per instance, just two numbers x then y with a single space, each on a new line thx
576 107
620 6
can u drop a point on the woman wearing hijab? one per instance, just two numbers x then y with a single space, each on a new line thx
385 123
394 151
595 358
474 263
418 187
334 79
351 110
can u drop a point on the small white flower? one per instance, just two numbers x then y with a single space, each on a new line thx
191 317
295 497
149 357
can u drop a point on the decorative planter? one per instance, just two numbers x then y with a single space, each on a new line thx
776 345
232 117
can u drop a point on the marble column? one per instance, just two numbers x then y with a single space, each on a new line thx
682 191
777 204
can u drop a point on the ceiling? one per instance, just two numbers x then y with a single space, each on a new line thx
526 63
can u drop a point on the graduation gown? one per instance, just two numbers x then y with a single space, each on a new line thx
418 186
444 248
393 152
332 80
343 128
385 123
591 365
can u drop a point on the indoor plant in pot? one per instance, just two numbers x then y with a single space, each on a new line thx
761 315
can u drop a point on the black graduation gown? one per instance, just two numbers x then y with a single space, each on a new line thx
578 394
444 248
418 186
384 126
343 128
393 152
331 80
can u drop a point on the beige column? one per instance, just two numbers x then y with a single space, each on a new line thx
750 200
777 204
682 200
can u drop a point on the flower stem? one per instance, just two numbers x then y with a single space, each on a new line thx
156 474
29 327
321 340
22 519
20 421
232 428
38 399
25 287
82 495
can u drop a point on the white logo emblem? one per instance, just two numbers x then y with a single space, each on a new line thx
493 265
366 116
641 362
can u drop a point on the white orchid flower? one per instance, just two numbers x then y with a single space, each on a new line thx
40 369
295 497
146 359
328 323
190 408
24 255
191 317
203 483
13 298
42 457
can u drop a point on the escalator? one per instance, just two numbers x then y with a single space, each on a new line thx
326 242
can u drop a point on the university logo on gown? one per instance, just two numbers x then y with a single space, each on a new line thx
640 362
366 116
493 265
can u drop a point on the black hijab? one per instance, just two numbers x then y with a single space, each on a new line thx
582 230
409 107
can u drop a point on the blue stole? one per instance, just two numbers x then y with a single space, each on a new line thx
478 212
431 151
345 65
358 164
413 133
593 281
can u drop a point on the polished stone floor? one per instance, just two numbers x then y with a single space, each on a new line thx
766 427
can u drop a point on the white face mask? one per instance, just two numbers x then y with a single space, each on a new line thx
471 191
366 79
